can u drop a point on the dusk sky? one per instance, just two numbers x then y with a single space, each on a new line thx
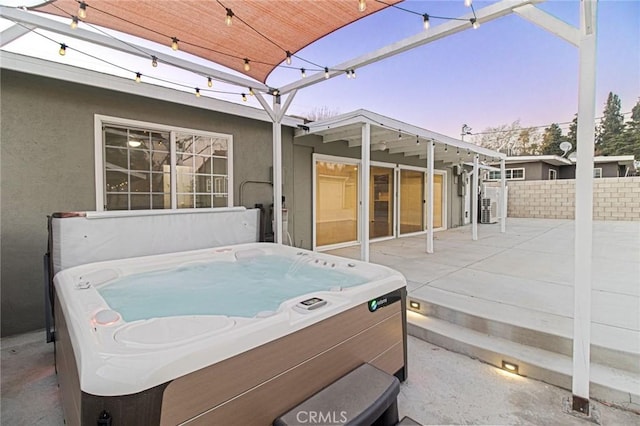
506 70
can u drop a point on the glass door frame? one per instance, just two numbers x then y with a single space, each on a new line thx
394 225
424 170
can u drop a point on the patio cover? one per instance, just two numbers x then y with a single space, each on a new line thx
285 25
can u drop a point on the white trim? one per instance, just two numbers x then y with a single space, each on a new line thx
553 172
597 171
98 165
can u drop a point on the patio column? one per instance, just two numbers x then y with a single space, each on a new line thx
474 199
584 208
365 167
503 195
277 171
430 161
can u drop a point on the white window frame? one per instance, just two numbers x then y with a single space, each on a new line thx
508 174
99 166
597 172
553 174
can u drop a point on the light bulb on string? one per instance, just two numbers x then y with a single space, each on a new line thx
247 66
251 93
197 92
457 151
229 18
138 77
82 10
326 72
303 72
468 3
349 74
174 43
446 147
353 74
244 98
425 21
399 134
63 49
288 60
362 5
154 61
209 82
74 22
417 140
474 23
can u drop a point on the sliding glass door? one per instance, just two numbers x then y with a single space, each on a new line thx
381 202
411 201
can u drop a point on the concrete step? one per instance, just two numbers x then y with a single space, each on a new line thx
612 385
612 346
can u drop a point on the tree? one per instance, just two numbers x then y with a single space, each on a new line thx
551 140
572 135
528 141
629 142
611 126
503 138
321 113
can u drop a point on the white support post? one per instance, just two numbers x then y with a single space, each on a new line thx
584 208
474 199
277 172
430 162
365 166
503 195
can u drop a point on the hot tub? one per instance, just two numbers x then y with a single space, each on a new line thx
227 335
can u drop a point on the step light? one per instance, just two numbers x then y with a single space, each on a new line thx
510 367
414 305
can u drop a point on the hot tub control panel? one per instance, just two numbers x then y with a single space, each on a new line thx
311 304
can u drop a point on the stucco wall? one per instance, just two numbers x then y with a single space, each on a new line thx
47 165
613 199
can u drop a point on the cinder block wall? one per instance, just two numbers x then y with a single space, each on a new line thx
613 199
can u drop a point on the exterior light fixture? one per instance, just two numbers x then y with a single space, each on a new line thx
197 92
244 98
229 18
251 93
63 49
414 305
74 22
303 72
326 72
362 5
134 143
82 10
468 3
138 77
288 58
154 61
425 21
475 23
174 43
510 367
209 82
247 67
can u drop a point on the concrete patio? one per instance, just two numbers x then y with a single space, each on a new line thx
509 296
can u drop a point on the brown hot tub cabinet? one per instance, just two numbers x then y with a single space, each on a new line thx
253 387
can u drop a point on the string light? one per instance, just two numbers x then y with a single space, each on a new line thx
353 74
138 77
247 67
174 43
474 23
362 5
303 72
399 134
425 21
209 82
326 72
82 10
197 92
446 147
468 3
251 93
63 49
417 140
244 98
74 22
229 18
468 152
349 74
288 58
154 61
457 151
275 92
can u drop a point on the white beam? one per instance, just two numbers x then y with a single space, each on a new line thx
549 22
287 104
14 32
45 23
364 197
503 195
266 106
584 208
277 173
489 13
430 163
474 199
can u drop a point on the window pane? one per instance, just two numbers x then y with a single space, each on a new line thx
517 173
160 142
219 201
160 182
185 160
140 182
139 160
160 161
219 166
203 200
381 202
117 202
203 184
336 203
185 201
140 201
184 143
202 164
138 139
115 137
220 147
116 158
159 201
185 182
202 145
117 181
